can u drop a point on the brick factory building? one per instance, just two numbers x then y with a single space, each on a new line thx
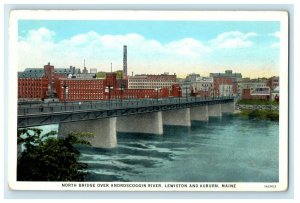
70 89
59 84
32 84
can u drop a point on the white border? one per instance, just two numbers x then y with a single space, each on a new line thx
282 17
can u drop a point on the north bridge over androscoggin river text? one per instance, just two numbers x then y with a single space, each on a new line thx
105 118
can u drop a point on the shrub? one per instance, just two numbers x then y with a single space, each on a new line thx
256 114
273 116
48 158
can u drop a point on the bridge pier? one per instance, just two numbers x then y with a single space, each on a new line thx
214 110
180 117
199 113
104 131
141 123
228 107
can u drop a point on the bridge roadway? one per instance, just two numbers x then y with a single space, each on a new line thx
56 112
105 118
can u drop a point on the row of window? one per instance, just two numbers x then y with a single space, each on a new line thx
204 85
150 82
84 97
94 95
30 79
82 82
84 93
30 88
25 91
20 95
148 86
84 87
37 83
76 97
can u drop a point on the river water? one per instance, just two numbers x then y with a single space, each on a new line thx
230 149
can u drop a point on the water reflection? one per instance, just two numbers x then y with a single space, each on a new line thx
226 149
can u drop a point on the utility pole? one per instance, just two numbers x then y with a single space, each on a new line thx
186 93
65 93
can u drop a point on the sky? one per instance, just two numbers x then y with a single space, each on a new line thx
153 47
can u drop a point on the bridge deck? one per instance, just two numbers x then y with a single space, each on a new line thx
52 113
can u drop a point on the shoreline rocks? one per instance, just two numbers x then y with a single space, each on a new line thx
240 107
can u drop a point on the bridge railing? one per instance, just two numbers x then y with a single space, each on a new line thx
108 104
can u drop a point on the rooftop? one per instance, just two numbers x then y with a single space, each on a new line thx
32 73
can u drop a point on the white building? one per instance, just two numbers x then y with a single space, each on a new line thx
151 81
225 90
203 84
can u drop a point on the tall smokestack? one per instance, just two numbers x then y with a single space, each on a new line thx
124 61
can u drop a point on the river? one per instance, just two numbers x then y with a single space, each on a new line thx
230 149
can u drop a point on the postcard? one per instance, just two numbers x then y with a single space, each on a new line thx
127 100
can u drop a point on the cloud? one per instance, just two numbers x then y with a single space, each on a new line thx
40 35
275 34
34 45
233 39
275 45
187 47
145 55
38 47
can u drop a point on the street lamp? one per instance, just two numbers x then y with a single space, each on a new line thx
65 92
186 94
122 88
180 92
157 89
107 89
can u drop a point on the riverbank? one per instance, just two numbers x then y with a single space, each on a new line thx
243 107
258 109
263 114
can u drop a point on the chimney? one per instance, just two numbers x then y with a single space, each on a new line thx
124 60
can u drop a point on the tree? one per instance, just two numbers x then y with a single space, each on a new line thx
47 158
119 74
100 74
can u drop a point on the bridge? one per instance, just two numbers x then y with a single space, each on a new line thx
105 118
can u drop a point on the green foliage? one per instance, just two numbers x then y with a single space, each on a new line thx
260 114
119 74
256 114
100 75
103 74
273 116
47 158
244 113
257 102
79 137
